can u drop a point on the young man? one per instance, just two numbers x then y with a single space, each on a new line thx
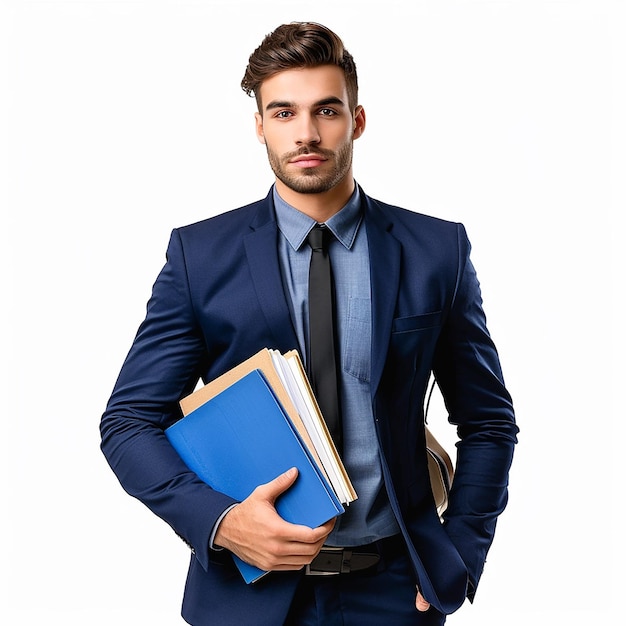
407 303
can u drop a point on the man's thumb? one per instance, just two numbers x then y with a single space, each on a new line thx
280 484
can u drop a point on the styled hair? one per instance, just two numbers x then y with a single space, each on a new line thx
299 45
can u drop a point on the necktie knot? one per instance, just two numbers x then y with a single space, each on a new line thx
319 237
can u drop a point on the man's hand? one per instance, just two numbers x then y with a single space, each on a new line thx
420 603
255 532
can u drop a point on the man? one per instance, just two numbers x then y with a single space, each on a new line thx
407 302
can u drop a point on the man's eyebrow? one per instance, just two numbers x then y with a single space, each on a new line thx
285 104
279 104
329 100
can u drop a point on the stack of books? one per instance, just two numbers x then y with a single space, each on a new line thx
255 422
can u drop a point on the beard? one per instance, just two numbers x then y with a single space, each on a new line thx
310 179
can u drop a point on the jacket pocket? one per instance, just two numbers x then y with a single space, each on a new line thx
417 322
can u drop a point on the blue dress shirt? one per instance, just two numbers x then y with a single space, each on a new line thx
370 517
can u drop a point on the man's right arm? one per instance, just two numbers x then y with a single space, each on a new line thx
163 365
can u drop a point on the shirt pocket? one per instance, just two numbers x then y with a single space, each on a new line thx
357 341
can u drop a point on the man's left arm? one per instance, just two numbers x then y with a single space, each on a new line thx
468 371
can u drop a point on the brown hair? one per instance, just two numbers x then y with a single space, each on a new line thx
298 45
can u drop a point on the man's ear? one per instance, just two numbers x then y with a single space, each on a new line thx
359 122
258 124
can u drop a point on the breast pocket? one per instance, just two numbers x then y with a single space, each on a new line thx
417 322
413 341
358 339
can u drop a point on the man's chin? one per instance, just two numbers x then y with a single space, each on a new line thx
308 184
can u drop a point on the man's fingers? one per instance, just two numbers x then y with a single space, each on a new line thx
254 531
269 492
420 603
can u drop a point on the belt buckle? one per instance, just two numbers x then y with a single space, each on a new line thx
336 557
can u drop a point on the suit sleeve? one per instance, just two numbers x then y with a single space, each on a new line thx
162 366
468 372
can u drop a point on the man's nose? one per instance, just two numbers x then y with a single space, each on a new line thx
307 131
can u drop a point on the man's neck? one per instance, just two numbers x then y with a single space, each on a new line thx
318 206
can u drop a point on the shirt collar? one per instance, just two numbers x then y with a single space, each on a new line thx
295 225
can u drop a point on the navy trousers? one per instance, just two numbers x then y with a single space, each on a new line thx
385 595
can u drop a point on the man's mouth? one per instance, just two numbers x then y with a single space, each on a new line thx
307 160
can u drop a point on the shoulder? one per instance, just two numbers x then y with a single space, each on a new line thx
411 225
239 220
218 240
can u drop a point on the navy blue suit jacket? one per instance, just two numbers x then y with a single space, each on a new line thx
219 299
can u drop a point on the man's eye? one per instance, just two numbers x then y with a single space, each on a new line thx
327 112
283 114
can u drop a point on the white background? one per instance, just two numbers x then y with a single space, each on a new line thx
125 119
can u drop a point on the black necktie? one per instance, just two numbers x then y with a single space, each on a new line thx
322 367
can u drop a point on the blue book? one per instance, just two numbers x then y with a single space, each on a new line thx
242 438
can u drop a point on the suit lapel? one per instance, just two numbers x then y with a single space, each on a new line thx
384 253
262 254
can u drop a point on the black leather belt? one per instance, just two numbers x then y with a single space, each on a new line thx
331 560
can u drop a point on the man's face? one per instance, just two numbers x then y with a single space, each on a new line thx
308 128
